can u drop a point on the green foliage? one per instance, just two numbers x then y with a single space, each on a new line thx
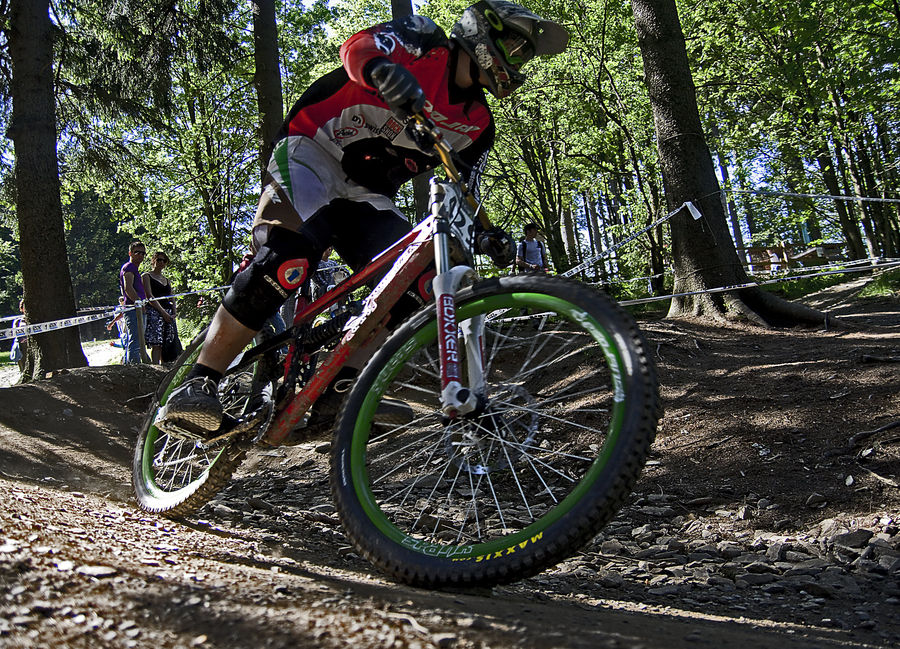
96 251
886 284
10 272
157 119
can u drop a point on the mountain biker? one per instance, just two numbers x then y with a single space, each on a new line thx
343 153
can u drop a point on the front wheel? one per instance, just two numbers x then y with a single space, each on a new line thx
570 410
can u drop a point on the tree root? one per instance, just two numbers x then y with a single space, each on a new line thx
755 306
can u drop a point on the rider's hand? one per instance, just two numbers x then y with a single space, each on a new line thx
398 87
498 245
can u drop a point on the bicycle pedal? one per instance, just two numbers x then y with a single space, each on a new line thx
177 430
232 427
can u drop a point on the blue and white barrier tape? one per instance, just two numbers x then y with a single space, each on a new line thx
109 312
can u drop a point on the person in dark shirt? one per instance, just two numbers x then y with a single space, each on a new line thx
161 328
133 290
343 153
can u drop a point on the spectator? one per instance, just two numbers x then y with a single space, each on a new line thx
119 321
161 329
20 342
133 290
530 254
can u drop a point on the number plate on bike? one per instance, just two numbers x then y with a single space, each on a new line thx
452 205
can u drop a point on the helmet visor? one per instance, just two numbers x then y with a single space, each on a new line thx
514 47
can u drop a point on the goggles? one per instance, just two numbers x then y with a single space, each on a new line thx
513 46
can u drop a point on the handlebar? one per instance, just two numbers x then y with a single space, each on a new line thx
432 133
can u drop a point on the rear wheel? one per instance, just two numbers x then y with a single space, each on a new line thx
569 415
176 476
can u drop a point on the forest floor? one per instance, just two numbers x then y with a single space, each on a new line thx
768 515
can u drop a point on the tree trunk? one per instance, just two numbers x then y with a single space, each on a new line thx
878 210
860 192
747 204
849 227
571 242
799 205
889 179
590 217
42 243
704 254
266 78
733 216
421 183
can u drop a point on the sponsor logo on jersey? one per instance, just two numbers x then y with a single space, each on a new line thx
411 165
391 129
292 273
345 132
385 42
444 122
359 120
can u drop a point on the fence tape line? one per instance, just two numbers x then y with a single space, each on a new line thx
738 287
761 192
605 253
30 330
871 262
110 312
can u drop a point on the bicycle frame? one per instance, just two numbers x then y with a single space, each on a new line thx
410 257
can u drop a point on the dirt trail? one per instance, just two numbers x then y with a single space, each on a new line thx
754 525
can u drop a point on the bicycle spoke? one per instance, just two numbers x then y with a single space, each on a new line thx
545 415
403 465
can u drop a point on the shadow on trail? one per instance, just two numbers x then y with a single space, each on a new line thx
76 429
316 606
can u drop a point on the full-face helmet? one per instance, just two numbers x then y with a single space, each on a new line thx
501 37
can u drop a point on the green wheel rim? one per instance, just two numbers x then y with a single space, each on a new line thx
426 335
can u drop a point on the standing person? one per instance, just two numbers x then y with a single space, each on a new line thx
161 328
530 254
119 321
20 341
343 154
133 290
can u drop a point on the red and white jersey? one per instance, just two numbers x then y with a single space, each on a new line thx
348 119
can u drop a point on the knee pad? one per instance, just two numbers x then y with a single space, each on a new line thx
278 270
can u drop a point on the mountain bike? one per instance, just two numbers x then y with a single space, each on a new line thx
528 406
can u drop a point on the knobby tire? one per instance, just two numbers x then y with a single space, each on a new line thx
497 497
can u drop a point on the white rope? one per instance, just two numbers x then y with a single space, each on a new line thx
761 192
605 253
738 287
107 312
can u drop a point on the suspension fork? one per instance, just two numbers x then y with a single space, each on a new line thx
456 399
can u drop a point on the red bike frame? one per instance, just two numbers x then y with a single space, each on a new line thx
413 254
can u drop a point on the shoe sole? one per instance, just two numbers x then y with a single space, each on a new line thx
201 419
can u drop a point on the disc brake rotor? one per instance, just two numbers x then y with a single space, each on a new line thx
497 435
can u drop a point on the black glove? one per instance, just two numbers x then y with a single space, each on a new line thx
398 87
498 245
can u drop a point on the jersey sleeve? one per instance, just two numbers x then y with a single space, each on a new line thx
400 41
